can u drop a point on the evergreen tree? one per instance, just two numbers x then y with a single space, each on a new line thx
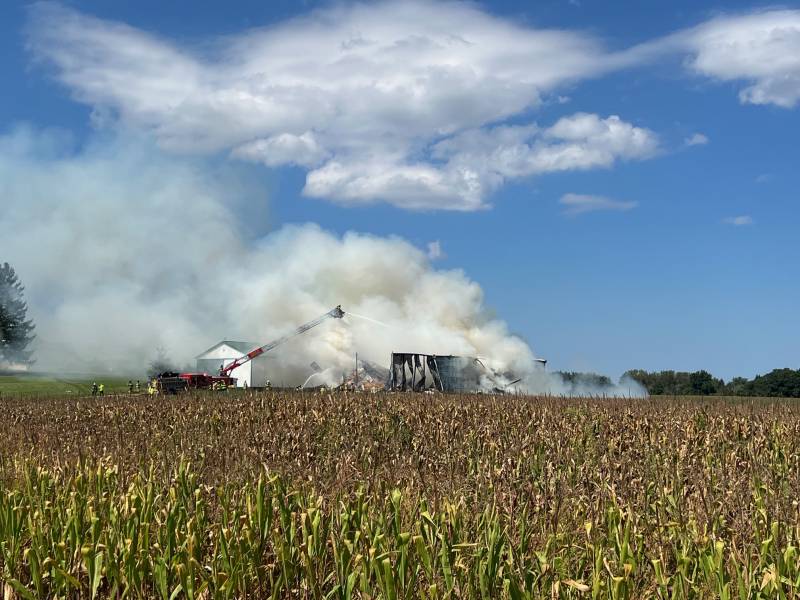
16 330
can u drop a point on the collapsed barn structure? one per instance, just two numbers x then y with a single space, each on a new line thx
415 372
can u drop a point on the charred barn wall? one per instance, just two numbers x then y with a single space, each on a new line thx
445 373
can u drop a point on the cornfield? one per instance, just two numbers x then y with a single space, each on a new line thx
296 495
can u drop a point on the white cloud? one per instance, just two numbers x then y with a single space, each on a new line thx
483 159
435 251
385 101
362 95
696 139
283 149
738 221
465 168
604 139
762 48
576 204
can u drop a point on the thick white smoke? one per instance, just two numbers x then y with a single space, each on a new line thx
123 250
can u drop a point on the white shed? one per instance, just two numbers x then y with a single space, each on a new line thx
252 373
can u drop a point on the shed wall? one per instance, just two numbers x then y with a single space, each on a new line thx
254 373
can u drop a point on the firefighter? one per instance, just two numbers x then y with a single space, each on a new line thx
136 386
268 385
101 389
94 388
130 386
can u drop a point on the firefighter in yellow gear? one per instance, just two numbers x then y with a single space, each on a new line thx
101 389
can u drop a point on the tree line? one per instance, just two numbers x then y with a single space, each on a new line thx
783 383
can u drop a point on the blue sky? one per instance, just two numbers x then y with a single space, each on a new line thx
681 255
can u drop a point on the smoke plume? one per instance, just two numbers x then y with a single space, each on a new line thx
124 250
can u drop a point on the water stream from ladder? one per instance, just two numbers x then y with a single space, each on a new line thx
381 323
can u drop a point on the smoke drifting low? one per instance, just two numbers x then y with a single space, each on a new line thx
123 249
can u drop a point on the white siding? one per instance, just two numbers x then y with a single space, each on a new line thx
242 374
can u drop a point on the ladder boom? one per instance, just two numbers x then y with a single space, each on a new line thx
334 313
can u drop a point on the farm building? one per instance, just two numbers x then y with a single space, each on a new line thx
418 372
447 373
252 373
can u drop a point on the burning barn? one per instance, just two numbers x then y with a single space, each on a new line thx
443 373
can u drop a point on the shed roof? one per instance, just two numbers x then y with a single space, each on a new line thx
243 347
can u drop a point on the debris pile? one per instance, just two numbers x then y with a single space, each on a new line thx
369 377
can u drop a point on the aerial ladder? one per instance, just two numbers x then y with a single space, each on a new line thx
334 313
